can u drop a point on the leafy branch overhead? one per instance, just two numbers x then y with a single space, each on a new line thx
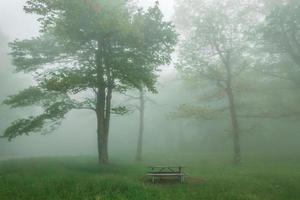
87 50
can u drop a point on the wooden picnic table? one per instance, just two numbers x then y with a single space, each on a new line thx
166 171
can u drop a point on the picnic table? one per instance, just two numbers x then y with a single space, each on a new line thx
166 172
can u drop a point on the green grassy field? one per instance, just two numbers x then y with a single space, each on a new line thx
81 178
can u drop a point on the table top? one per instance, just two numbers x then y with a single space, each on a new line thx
165 167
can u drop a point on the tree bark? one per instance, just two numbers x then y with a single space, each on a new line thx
235 128
233 114
225 58
102 131
102 141
103 104
139 150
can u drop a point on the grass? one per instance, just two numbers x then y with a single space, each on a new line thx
74 178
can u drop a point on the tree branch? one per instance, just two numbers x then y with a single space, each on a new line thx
271 115
130 96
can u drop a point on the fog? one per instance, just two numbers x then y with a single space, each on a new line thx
172 129
15 23
21 26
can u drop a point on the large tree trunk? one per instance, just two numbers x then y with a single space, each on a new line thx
103 103
102 141
102 126
141 127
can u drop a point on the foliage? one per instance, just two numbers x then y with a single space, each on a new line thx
216 48
87 50
218 31
281 41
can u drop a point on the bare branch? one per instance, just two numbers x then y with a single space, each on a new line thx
268 73
148 99
134 106
241 69
271 115
131 97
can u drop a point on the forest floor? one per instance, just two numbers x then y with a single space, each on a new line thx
80 178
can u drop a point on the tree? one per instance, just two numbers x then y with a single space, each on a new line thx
141 109
142 100
277 43
281 41
7 77
87 50
3 62
216 48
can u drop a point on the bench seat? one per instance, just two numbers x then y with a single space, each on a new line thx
165 175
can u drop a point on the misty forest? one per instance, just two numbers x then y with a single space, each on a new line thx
145 99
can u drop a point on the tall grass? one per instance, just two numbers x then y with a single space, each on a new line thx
80 178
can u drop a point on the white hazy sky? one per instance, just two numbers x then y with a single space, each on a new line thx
16 24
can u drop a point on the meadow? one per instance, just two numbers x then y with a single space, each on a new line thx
81 178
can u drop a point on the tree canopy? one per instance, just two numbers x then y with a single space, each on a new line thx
87 50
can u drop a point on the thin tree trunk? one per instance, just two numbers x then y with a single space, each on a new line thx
235 128
233 114
139 150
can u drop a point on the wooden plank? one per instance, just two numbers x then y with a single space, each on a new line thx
179 176
167 171
165 167
158 172
165 174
